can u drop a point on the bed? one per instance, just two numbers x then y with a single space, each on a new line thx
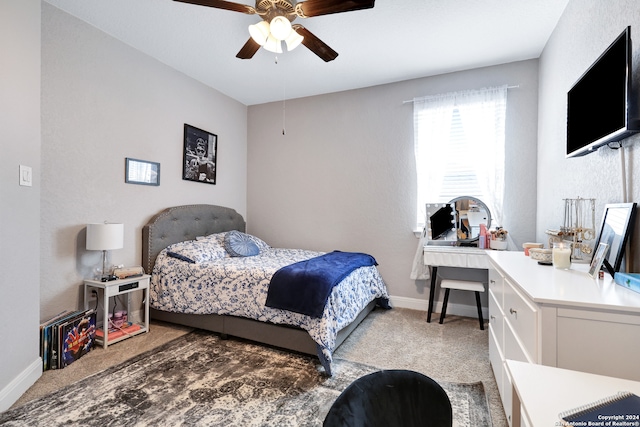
189 296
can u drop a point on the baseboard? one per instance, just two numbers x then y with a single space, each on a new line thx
423 305
411 303
16 388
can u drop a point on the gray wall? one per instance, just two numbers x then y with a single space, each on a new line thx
82 102
19 206
343 175
584 32
103 101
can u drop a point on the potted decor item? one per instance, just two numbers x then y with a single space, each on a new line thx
499 239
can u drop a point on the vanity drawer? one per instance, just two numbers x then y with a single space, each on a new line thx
522 316
477 261
496 358
496 285
446 259
496 315
513 347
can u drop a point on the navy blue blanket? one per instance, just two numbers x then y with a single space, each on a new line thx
304 287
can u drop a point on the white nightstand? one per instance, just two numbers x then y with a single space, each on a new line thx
119 287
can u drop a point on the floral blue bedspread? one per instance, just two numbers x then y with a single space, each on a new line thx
238 286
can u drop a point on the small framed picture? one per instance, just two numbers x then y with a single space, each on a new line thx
598 258
141 172
199 156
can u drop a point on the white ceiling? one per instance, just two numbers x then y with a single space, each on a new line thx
396 40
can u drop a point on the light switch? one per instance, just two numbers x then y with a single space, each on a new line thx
26 176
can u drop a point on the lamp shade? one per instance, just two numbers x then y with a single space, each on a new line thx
293 40
280 27
104 237
259 32
273 45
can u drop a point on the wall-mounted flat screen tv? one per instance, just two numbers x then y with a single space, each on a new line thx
600 106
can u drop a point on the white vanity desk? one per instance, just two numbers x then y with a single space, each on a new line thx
541 392
561 318
451 256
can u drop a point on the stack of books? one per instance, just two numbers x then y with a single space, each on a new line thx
114 333
66 337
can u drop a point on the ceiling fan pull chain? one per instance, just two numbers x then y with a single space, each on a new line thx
284 105
284 102
284 114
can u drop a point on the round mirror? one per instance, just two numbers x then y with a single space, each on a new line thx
470 213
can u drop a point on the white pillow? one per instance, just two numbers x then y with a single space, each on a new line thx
198 251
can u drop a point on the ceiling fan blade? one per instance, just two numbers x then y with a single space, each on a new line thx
222 4
248 50
310 8
315 45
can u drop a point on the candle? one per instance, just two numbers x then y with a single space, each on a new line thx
561 255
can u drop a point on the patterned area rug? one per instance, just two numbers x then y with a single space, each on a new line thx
202 380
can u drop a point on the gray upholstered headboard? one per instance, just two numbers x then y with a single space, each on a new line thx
181 223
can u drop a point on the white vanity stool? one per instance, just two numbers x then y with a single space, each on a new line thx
462 285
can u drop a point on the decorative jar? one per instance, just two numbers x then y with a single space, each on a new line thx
561 255
499 245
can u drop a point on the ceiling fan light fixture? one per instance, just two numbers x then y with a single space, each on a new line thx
273 44
259 32
280 27
293 40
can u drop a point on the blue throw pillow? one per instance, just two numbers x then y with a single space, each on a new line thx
239 244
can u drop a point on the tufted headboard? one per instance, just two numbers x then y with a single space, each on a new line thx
181 223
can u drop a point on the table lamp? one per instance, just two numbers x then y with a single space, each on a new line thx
105 237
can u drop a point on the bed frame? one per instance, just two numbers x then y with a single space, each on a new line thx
181 223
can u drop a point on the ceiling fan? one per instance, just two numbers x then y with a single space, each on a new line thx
276 26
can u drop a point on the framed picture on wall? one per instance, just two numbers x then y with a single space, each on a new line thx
141 172
199 155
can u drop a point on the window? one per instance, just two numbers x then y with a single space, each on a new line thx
459 148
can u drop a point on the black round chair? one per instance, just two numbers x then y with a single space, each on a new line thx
391 398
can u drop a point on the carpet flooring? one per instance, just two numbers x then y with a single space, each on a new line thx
456 351
202 380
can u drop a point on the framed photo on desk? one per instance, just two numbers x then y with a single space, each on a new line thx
598 259
616 226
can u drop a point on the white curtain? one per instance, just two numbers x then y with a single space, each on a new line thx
483 117
419 271
482 114
431 125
